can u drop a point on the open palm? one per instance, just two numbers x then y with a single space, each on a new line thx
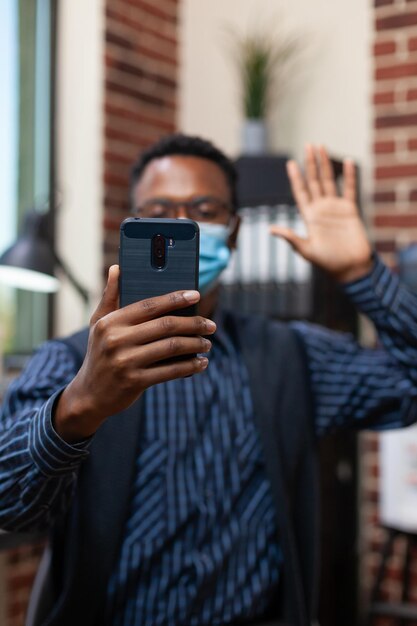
336 238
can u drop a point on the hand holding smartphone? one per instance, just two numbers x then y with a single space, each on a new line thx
152 338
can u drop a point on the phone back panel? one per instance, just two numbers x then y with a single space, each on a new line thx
138 278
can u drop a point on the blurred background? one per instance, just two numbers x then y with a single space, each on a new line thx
87 85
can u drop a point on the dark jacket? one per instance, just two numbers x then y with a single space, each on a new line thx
71 587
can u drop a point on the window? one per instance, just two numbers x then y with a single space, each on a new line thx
26 28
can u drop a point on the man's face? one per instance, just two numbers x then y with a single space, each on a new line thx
187 186
184 186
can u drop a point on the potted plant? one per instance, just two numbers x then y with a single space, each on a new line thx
262 62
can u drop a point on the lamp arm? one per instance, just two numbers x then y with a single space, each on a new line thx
82 291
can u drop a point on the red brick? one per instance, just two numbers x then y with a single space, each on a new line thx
153 8
117 208
384 197
16 610
374 546
402 20
369 443
116 181
114 157
384 47
124 144
384 147
145 82
394 573
399 70
141 22
139 25
405 170
412 95
396 121
120 170
412 144
382 3
146 45
399 220
111 223
132 70
134 137
115 195
129 150
20 581
124 101
383 246
119 40
127 44
150 66
118 213
413 195
140 94
384 97
139 117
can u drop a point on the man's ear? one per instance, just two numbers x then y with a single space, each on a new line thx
232 241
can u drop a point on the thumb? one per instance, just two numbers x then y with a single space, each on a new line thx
110 298
299 244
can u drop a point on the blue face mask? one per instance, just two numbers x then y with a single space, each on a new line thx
214 254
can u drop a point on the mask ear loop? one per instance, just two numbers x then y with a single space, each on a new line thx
231 239
232 222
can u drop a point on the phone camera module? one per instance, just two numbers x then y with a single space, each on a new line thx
158 251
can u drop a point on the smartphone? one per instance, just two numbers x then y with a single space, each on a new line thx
157 256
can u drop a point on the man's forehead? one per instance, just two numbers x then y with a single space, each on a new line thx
180 175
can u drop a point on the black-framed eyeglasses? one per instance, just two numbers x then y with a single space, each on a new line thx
199 208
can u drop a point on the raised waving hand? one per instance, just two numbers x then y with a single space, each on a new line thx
336 238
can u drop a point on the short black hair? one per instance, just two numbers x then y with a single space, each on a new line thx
179 144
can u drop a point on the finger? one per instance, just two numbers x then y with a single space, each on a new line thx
349 180
299 190
169 326
299 244
171 371
170 348
312 173
152 308
327 175
110 298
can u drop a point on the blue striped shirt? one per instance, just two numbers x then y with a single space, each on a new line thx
200 542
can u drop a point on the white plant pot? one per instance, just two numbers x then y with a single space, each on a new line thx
254 137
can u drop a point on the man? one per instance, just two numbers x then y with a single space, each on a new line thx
189 500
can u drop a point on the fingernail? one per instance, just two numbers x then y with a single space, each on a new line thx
207 344
210 325
203 362
191 296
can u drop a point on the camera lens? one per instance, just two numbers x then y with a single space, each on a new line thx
158 251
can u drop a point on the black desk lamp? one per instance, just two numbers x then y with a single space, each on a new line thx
30 262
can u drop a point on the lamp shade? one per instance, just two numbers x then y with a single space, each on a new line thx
29 263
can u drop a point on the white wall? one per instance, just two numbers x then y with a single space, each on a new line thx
329 100
80 152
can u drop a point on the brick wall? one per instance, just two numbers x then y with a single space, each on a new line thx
140 57
140 96
395 124
394 223
20 566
